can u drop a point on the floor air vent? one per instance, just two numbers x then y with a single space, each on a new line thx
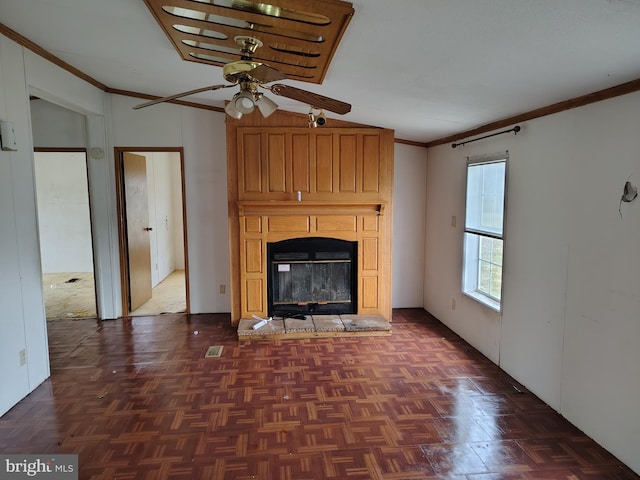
215 351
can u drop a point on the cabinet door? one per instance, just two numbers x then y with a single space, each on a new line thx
323 167
252 265
300 162
346 175
249 163
358 163
275 163
370 176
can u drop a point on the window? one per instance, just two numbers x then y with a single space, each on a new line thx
483 231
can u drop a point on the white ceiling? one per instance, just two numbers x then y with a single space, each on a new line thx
425 68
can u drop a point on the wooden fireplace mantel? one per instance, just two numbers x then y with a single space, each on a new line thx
344 177
288 207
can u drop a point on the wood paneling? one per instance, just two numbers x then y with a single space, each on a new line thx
369 295
345 176
373 263
347 163
249 166
324 163
253 255
336 223
328 165
369 224
276 163
254 295
292 223
370 253
252 224
300 162
371 163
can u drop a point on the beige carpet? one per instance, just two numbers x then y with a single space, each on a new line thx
69 295
72 295
169 296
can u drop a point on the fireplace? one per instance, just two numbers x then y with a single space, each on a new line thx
311 276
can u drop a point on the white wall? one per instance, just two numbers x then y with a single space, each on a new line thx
108 121
55 126
409 218
443 258
22 317
64 222
164 188
571 315
14 378
202 135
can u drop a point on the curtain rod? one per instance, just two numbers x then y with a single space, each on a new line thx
515 130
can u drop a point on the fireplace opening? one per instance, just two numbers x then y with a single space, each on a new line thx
308 276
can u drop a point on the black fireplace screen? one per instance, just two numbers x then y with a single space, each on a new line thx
311 275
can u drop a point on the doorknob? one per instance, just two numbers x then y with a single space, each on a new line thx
148 229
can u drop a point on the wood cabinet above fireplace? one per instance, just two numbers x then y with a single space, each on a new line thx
328 165
297 182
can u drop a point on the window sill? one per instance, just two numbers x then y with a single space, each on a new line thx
483 299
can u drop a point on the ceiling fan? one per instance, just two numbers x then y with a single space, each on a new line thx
251 75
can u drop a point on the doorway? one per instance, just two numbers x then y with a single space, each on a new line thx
64 227
152 231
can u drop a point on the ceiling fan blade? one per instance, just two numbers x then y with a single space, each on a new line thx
179 95
266 74
312 99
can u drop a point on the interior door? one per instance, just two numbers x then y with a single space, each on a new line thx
137 220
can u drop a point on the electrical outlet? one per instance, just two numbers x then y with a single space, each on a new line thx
223 288
453 304
23 357
453 221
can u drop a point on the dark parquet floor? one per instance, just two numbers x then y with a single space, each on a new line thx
136 399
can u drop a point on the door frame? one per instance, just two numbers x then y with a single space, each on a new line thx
122 221
93 251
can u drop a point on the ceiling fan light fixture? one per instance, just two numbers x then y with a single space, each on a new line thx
265 105
231 110
244 101
250 75
312 121
316 119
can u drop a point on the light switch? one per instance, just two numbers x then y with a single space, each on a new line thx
8 137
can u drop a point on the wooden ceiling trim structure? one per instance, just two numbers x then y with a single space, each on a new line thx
581 101
299 37
38 50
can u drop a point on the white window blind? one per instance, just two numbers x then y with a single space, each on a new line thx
484 228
